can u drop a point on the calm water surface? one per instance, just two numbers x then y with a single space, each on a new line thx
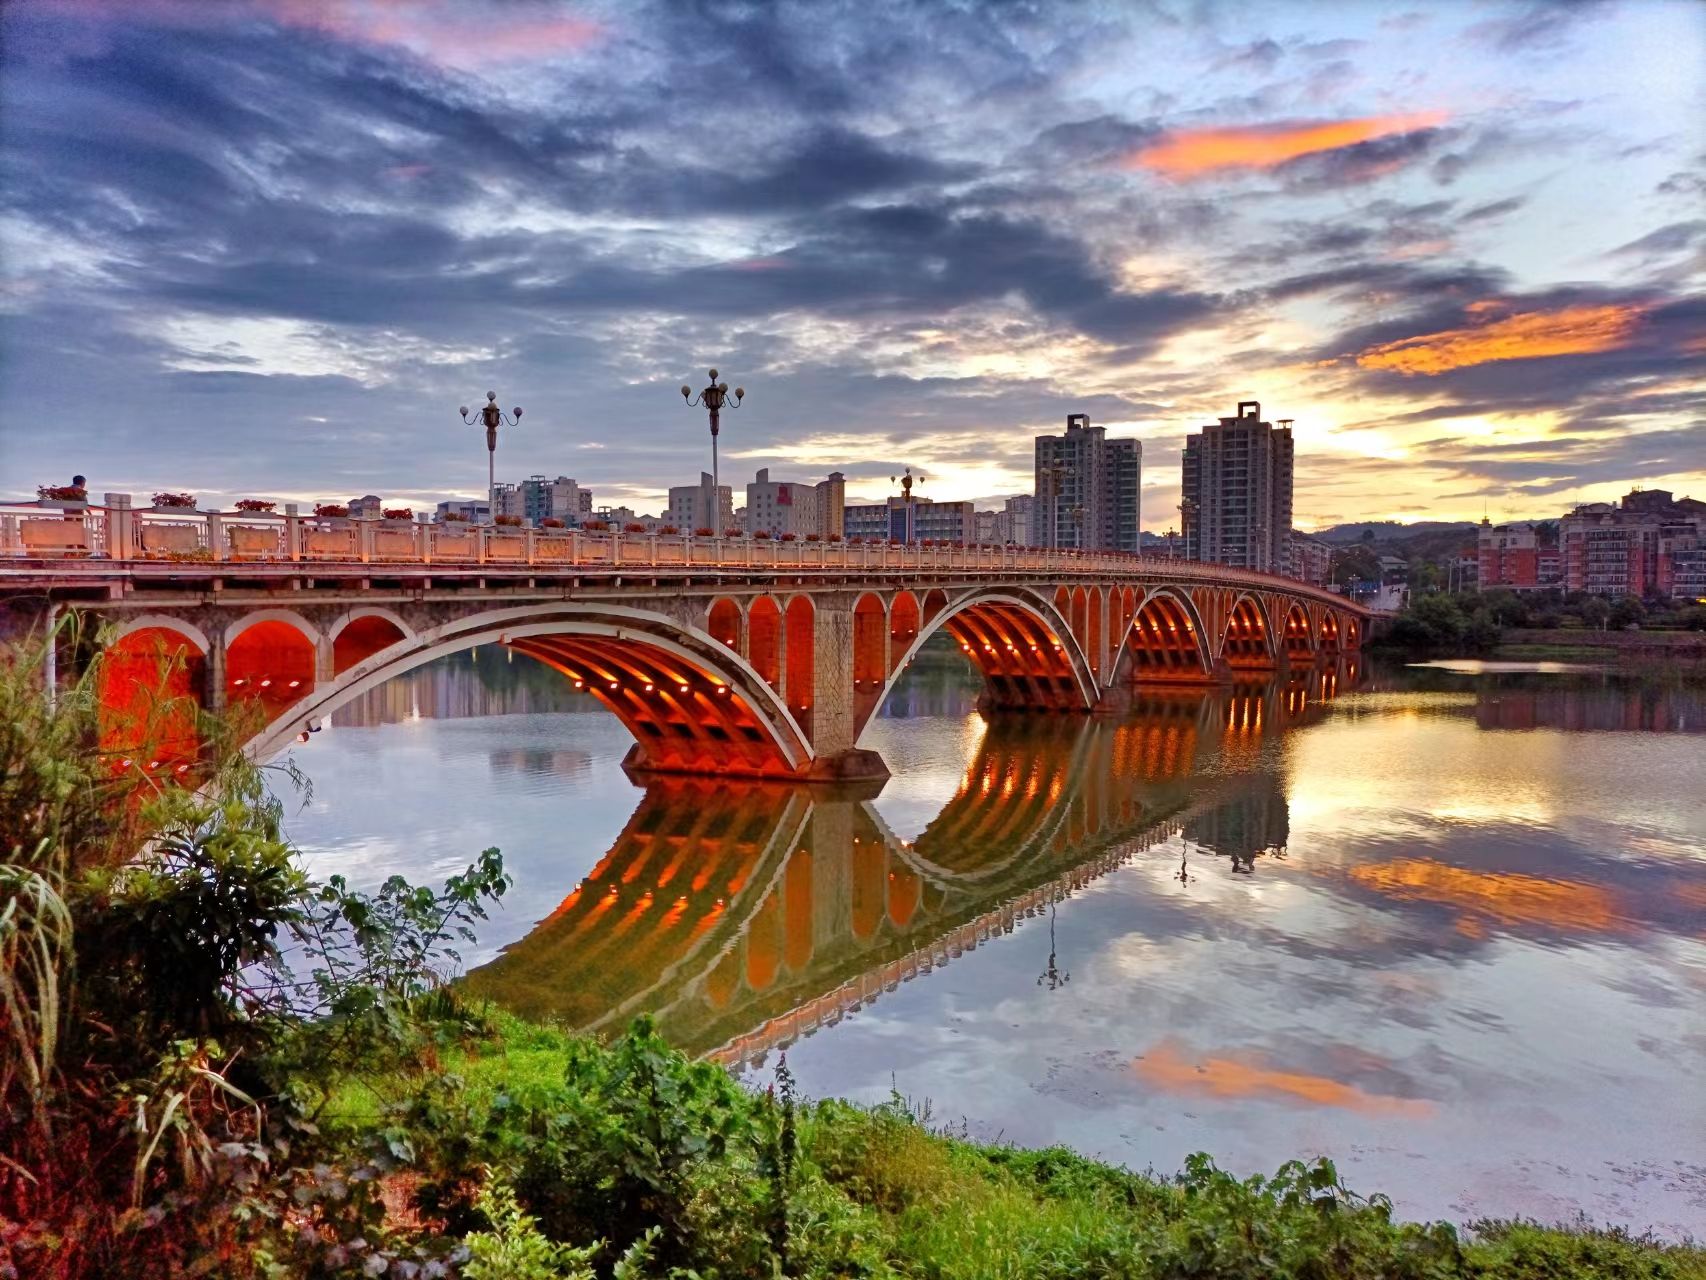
1445 925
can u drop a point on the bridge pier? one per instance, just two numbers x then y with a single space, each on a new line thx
834 715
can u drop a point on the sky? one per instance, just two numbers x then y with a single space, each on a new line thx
267 248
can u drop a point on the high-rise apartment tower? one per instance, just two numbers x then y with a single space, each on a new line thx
1087 489
1237 492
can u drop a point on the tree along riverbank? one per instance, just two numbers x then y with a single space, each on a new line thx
212 1064
1500 623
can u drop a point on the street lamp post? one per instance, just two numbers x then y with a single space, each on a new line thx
909 523
1187 513
1054 473
492 417
715 398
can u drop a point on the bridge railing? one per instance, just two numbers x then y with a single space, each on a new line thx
117 532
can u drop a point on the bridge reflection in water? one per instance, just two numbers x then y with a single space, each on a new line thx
742 915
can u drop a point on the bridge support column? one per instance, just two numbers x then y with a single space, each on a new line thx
213 674
834 722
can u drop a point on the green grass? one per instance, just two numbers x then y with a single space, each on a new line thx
881 1192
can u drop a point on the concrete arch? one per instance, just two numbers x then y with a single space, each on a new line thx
1148 631
369 611
746 731
1063 683
287 616
162 622
1295 634
1249 639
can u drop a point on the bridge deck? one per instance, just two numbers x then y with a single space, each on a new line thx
117 552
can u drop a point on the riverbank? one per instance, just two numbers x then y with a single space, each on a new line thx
1657 653
737 1180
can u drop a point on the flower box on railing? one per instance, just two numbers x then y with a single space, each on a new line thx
761 535
174 501
550 522
398 513
507 522
596 526
331 510
254 506
704 533
69 493
633 526
788 537
734 533
668 530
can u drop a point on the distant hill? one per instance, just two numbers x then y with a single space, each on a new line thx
1390 531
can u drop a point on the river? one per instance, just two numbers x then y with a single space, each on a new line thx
1444 924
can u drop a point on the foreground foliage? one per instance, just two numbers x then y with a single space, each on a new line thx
212 1065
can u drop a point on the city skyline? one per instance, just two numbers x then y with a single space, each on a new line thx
266 250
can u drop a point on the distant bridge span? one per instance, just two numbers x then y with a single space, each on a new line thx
733 656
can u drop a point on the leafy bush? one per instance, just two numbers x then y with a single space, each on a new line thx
170 499
330 510
254 504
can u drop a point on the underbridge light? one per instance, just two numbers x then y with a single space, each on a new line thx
265 684
648 688
580 684
240 680
613 684
153 764
294 683
683 688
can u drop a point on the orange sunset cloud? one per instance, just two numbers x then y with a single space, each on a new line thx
1187 153
1526 335
1169 1068
1503 896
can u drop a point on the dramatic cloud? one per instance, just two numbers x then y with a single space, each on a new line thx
1526 335
1191 153
264 248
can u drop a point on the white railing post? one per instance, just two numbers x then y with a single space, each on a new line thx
364 539
121 527
292 532
215 535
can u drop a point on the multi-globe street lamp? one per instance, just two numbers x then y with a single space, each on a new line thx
1054 473
715 398
492 418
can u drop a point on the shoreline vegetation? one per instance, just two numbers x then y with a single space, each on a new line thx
1627 634
212 1064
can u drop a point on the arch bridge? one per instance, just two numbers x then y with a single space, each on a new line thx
722 656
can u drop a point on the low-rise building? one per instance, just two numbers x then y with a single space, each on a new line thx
1515 556
1311 559
536 498
370 506
782 507
1614 549
471 510
693 506
914 520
